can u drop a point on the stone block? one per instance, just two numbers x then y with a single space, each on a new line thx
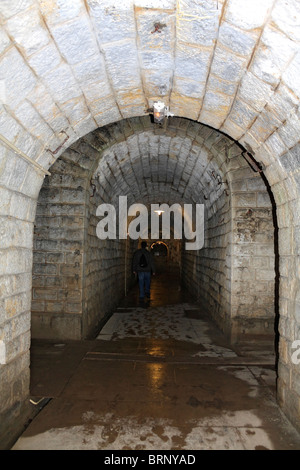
37 306
4 43
264 127
18 260
69 270
19 79
74 39
66 87
272 58
216 103
275 145
286 18
122 64
22 207
73 307
240 42
263 199
19 25
244 199
218 85
263 91
44 294
291 159
227 66
32 183
192 63
64 11
56 326
157 4
6 168
10 128
232 129
45 59
107 117
5 202
73 296
75 110
248 16
54 307
290 75
45 269
264 249
198 26
113 24
21 331
242 114
265 274
289 131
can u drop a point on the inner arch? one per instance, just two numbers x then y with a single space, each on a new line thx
186 163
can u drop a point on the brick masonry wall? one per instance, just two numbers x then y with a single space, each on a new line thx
253 308
17 214
59 250
107 271
233 276
77 278
207 273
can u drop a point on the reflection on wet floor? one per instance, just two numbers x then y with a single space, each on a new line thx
157 378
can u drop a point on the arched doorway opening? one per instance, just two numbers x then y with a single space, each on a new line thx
159 248
232 275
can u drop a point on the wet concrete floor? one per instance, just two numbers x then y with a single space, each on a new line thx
159 376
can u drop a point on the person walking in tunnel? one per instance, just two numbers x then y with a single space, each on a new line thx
143 265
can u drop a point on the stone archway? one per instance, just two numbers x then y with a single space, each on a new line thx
229 65
161 248
185 162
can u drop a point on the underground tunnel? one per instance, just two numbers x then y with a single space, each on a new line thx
184 163
78 81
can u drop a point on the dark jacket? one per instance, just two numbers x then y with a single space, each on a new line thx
136 261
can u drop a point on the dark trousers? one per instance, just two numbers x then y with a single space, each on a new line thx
144 283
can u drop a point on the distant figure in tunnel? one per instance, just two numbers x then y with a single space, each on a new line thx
143 265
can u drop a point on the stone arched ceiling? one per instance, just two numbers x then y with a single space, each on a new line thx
68 67
184 162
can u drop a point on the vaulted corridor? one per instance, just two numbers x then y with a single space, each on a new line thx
174 122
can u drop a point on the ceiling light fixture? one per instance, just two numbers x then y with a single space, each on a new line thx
160 112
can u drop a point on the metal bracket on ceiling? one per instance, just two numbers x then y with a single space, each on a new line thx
257 167
54 152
